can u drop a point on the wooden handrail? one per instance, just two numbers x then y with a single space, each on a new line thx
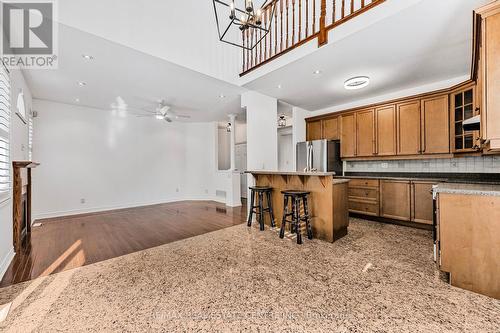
297 22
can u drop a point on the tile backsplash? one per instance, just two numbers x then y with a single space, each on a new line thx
480 164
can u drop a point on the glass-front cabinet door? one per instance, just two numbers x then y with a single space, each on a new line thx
463 107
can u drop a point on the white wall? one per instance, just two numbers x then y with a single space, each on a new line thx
18 151
105 158
285 150
112 161
299 129
262 137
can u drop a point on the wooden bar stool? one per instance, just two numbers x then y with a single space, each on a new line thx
294 199
259 209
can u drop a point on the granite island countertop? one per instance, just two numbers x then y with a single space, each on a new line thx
467 189
335 180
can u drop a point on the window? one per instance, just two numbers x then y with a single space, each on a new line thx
4 133
21 107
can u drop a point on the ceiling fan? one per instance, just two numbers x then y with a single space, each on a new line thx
163 112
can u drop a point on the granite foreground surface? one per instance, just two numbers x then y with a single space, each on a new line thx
379 278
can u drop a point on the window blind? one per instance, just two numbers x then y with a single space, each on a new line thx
30 136
4 132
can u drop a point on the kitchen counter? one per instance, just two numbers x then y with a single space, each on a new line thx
467 189
328 203
468 178
291 173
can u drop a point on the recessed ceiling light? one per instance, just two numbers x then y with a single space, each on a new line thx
77 100
222 96
357 82
82 84
279 86
87 57
317 72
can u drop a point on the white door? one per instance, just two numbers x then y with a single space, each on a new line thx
241 166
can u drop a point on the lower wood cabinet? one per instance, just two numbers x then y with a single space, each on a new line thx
402 200
422 202
395 199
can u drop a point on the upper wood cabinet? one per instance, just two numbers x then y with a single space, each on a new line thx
314 130
331 129
408 128
490 73
435 125
385 133
348 135
463 106
365 133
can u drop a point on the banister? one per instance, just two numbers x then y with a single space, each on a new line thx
284 37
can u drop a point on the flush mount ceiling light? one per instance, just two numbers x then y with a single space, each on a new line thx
357 82
242 23
87 57
82 84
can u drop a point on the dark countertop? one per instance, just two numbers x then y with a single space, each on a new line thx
476 178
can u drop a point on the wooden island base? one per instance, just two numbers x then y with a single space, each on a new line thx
328 204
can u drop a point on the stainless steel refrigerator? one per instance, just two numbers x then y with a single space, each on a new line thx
319 155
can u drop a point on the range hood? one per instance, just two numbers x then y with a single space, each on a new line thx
472 124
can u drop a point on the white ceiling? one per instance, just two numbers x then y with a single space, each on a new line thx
120 75
183 32
428 42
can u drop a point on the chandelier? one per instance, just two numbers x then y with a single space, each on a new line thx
239 23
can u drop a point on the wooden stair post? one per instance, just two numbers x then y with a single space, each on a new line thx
323 35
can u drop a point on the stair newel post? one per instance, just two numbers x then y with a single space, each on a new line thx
323 36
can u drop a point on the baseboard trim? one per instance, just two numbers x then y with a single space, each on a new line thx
4 265
49 215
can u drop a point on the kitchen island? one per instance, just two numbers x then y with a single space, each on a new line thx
328 204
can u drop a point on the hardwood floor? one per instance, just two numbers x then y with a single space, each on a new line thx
69 242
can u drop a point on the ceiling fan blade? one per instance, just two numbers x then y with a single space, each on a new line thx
167 119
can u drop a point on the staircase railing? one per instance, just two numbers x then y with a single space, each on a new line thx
297 22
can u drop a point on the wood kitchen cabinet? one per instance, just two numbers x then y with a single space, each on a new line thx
395 199
435 125
385 133
314 131
365 133
490 73
331 129
463 107
348 135
408 128
421 202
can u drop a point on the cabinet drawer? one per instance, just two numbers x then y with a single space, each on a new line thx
365 193
364 207
363 183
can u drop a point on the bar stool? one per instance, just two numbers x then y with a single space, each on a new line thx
259 209
295 198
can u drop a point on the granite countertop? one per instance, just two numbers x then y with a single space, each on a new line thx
492 179
291 173
468 189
